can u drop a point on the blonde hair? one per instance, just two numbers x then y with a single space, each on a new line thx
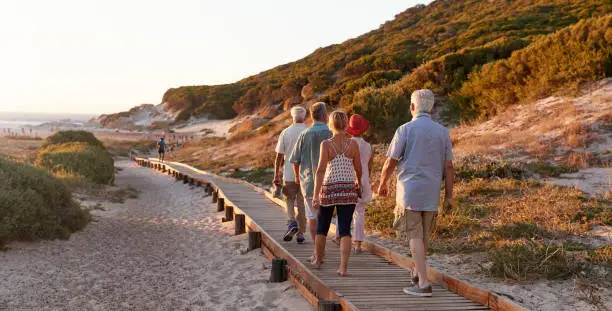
338 121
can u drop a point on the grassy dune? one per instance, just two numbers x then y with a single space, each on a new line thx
77 154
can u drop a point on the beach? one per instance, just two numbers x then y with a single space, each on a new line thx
165 250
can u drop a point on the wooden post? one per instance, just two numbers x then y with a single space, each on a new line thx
229 214
185 179
254 240
279 270
209 189
329 305
191 181
220 204
179 176
240 224
215 196
199 184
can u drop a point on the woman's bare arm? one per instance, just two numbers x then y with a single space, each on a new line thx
320 174
371 162
356 157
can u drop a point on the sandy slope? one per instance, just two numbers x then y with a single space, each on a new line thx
166 250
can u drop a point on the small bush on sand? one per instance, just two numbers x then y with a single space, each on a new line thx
35 205
79 160
63 137
528 260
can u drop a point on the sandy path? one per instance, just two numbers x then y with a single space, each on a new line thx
166 250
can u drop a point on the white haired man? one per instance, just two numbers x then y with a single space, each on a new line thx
421 150
293 196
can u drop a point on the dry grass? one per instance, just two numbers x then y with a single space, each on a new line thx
19 149
252 149
518 223
123 147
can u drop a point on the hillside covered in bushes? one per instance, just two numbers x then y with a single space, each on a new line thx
438 46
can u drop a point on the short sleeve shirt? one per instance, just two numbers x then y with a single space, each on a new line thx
306 154
421 147
286 141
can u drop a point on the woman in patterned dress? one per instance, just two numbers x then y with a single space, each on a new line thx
337 187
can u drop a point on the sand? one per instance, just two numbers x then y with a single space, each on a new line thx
166 250
596 181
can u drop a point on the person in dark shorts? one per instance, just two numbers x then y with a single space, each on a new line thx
337 187
161 149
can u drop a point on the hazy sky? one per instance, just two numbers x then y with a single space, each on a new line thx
106 56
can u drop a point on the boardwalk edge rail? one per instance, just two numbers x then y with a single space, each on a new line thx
308 284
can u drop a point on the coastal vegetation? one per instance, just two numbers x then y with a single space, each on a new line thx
77 154
35 205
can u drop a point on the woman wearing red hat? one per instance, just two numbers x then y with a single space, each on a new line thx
358 125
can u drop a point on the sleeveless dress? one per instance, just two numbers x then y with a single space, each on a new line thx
365 152
339 182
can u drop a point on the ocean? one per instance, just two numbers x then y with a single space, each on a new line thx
18 120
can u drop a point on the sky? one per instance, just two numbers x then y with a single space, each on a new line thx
107 56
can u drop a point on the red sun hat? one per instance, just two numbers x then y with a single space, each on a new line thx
357 125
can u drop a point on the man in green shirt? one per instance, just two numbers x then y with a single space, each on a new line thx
305 159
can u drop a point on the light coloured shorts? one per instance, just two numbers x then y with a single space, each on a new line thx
416 224
311 213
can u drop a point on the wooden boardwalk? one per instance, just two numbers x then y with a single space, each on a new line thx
376 278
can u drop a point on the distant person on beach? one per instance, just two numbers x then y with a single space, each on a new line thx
422 152
293 195
305 158
337 187
161 149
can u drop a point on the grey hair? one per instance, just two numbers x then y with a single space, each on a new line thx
298 113
318 111
423 100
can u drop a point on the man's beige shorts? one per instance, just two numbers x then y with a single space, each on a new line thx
417 225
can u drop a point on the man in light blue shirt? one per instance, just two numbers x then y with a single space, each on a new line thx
305 159
422 152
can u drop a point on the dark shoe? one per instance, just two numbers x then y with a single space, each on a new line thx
417 291
291 231
300 239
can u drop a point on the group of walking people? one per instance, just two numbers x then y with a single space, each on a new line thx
326 168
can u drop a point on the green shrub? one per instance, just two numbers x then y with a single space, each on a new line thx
35 205
385 108
62 137
559 62
79 160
